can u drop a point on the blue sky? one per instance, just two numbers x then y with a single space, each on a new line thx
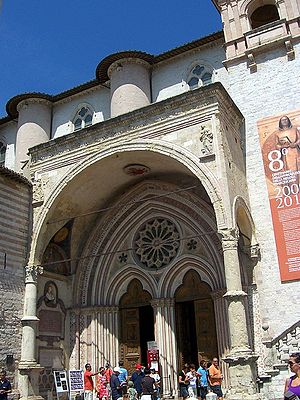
50 46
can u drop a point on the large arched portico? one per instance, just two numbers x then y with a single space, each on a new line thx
108 259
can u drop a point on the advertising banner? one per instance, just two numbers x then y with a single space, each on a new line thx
76 381
280 145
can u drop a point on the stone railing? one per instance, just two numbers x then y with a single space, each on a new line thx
278 349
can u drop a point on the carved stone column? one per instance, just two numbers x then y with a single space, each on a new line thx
241 359
164 317
107 323
223 336
28 367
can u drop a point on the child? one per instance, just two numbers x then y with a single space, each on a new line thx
132 393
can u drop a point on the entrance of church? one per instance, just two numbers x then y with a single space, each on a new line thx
137 325
195 321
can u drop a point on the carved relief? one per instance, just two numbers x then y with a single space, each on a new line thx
39 186
206 139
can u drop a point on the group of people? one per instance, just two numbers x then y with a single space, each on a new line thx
203 383
114 383
199 383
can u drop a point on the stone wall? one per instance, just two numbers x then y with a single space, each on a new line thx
15 225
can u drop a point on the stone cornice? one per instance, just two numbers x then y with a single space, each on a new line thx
178 112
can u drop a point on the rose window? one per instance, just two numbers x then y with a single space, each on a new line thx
157 243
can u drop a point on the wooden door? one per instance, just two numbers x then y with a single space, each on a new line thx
206 329
130 338
186 333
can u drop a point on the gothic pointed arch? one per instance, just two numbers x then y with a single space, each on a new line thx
115 241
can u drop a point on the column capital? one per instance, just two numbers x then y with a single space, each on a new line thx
218 294
32 272
230 238
235 295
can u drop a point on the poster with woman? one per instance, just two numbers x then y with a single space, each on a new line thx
280 145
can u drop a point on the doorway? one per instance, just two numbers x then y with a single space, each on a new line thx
136 325
195 321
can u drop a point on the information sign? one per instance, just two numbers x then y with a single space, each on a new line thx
76 381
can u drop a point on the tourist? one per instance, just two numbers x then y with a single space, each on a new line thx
88 382
148 385
137 377
132 393
183 382
123 377
108 372
101 385
5 386
191 377
115 386
202 379
155 375
215 378
292 384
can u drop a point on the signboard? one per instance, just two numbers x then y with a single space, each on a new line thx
76 381
153 358
280 145
61 381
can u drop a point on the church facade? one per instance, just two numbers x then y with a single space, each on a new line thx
152 213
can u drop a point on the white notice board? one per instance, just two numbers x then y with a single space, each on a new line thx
76 380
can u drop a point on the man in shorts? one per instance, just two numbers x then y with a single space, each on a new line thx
215 378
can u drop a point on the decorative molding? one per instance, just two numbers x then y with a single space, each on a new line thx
251 62
290 51
27 102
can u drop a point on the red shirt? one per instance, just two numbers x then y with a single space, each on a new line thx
88 380
108 374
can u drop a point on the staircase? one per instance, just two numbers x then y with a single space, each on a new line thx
277 350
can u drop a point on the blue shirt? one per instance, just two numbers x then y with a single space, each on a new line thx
203 377
137 380
123 375
4 385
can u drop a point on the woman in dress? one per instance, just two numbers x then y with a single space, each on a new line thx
292 384
101 385
288 141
